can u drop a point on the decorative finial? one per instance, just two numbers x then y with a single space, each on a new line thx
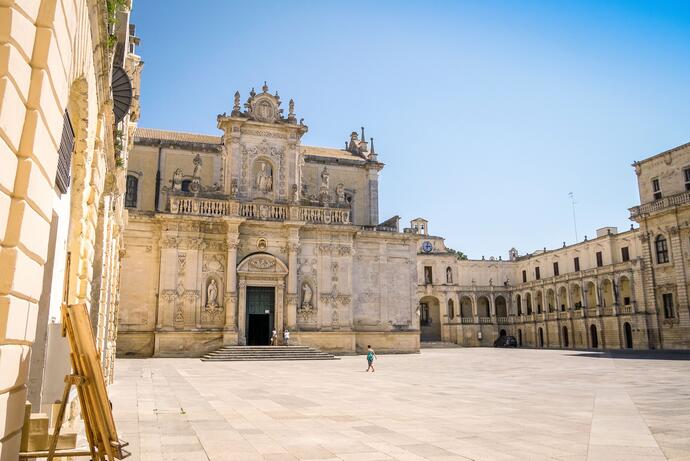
373 152
252 93
291 106
363 138
236 105
265 87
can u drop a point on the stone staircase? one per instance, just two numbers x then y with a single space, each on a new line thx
266 353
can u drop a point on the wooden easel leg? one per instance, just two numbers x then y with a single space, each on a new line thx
58 420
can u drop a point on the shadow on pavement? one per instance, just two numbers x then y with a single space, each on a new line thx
636 355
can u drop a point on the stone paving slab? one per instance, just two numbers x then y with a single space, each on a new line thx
442 404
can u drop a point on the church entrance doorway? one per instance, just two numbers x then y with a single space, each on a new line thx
260 315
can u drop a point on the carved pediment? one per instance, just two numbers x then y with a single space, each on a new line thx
262 263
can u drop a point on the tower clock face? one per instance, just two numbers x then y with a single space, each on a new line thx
427 247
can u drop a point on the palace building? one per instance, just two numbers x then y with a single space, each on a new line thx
232 236
615 291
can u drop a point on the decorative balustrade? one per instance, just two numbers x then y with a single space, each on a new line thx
607 310
678 199
577 314
486 320
592 312
466 320
564 315
626 309
502 320
198 206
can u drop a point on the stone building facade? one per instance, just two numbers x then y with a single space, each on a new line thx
64 135
615 291
230 237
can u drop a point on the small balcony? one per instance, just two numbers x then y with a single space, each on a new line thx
657 205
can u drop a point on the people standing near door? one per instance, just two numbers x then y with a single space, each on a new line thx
286 337
274 338
371 356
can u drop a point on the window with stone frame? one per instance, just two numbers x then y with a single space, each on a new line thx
600 259
64 164
656 188
556 272
667 301
661 247
524 276
537 274
686 176
185 185
625 254
131 191
576 263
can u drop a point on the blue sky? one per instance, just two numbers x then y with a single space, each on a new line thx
486 113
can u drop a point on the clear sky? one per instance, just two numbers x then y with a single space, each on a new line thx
486 113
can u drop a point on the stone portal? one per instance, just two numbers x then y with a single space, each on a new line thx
260 315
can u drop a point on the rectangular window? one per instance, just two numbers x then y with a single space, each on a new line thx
668 305
626 300
600 259
625 254
576 263
524 276
555 269
686 174
428 276
537 275
656 188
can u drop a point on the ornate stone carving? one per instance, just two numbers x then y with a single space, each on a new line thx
262 263
307 294
212 294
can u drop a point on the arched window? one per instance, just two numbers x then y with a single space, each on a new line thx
661 247
449 275
451 309
132 191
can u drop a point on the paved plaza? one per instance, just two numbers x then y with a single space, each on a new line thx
442 404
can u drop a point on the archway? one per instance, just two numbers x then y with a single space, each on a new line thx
429 319
501 307
607 293
563 298
466 307
593 336
541 337
518 303
591 294
483 307
528 298
566 342
540 302
627 332
576 293
520 337
502 332
550 300
625 293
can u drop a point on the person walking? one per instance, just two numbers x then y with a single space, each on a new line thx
286 337
274 338
371 356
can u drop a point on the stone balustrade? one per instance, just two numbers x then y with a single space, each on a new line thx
199 206
502 320
626 310
485 320
466 320
651 207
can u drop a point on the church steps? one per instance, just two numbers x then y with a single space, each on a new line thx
266 353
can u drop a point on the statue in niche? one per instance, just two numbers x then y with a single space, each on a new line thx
295 193
264 178
177 180
212 294
307 294
325 177
233 188
340 194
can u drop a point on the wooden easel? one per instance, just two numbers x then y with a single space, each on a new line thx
87 376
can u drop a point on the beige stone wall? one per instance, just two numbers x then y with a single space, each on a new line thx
52 58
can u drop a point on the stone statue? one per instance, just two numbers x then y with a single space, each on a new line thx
340 194
197 165
307 294
291 110
295 193
264 178
177 179
325 177
233 188
212 294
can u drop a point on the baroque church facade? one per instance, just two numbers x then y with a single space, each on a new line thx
230 237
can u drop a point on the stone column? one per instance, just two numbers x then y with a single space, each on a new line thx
230 299
242 312
279 303
292 297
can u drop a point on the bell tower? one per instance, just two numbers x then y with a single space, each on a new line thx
261 149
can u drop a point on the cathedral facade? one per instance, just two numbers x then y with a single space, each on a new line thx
231 237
